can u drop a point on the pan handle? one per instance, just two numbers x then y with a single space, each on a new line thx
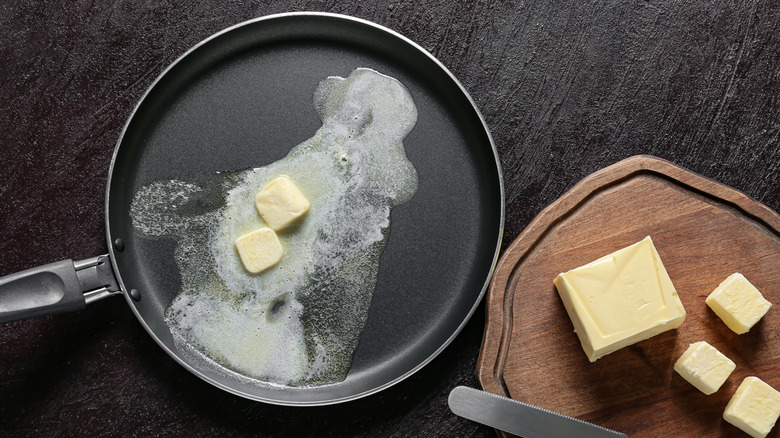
59 287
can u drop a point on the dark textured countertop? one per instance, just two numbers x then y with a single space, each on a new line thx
566 89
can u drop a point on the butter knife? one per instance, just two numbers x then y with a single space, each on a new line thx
520 418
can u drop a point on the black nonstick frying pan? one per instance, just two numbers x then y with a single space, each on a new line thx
243 98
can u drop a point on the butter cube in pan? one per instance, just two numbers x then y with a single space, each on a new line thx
738 303
259 250
620 299
704 367
754 408
281 203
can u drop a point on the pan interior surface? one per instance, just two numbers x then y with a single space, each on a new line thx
243 99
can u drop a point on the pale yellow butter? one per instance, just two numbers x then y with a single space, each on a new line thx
738 303
281 203
259 250
704 367
620 299
754 408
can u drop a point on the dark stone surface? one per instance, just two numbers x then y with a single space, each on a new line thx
565 88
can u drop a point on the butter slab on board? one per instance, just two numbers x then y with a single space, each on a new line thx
704 232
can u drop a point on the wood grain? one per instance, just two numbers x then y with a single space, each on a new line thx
703 231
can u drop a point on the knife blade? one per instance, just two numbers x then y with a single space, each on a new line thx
521 418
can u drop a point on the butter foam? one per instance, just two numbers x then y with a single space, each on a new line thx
298 323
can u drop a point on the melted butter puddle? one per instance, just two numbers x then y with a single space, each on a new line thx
297 324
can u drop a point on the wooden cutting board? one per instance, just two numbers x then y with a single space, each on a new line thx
703 231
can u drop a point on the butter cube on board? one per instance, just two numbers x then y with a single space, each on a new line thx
704 367
259 250
620 299
738 303
754 408
281 203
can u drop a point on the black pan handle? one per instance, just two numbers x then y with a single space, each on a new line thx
59 287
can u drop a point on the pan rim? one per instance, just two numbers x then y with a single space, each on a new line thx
338 17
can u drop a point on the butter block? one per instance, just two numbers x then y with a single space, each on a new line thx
738 303
259 250
704 367
620 299
281 203
754 408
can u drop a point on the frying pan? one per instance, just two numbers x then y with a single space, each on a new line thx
243 98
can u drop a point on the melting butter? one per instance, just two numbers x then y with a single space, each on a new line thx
299 322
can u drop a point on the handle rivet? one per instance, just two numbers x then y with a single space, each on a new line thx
135 294
119 244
